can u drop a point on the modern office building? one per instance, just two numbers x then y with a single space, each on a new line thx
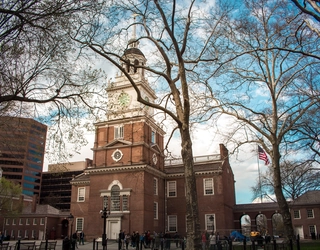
22 147
56 187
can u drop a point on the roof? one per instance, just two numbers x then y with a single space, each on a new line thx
41 209
133 51
308 198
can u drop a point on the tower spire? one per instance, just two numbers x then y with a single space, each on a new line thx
132 42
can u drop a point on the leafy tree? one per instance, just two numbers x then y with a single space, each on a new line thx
9 197
42 76
297 179
268 83
177 38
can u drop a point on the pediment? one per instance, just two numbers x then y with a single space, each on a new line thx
118 142
156 147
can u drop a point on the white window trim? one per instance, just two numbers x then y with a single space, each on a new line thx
155 188
168 189
80 196
79 226
296 218
170 218
118 132
156 212
153 136
205 187
308 214
210 223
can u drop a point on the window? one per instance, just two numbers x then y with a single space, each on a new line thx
19 233
7 221
32 234
115 198
172 223
26 233
312 229
79 224
310 213
27 221
208 186
35 222
81 193
172 192
20 222
118 132
125 203
153 137
13 221
210 222
155 210
296 214
105 201
155 186
42 221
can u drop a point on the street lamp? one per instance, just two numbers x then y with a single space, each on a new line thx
104 215
70 219
211 218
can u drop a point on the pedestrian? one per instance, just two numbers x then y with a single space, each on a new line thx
127 240
176 239
137 240
167 240
121 239
203 240
81 238
74 240
212 239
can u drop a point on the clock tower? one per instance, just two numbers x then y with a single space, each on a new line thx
127 175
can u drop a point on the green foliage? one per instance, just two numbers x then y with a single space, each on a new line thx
10 197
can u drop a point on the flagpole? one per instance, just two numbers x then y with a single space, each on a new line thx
260 188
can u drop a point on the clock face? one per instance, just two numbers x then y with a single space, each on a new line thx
124 99
117 155
154 158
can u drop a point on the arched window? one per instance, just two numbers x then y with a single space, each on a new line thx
136 63
128 66
262 226
245 225
277 224
115 198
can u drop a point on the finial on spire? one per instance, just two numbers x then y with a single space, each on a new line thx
132 42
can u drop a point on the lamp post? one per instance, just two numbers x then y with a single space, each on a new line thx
104 215
211 218
70 219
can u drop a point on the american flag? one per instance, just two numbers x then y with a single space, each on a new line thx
263 156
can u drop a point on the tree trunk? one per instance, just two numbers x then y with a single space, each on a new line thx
283 204
193 224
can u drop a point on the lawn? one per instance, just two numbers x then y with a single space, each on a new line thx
309 245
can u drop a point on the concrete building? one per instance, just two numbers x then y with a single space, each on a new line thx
56 187
22 147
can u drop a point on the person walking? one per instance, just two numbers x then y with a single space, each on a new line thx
212 239
203 240
81 238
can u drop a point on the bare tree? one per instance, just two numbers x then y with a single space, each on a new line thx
177 39
268 83
42 75
297 178
310 7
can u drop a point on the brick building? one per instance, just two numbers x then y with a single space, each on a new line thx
130 176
